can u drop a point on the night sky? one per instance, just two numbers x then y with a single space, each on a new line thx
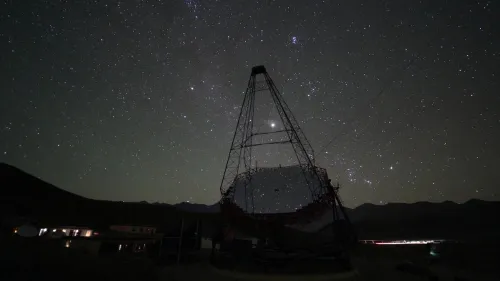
138 100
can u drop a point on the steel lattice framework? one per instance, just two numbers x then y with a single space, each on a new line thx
240 152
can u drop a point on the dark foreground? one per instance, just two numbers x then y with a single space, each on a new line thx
28 259
33 259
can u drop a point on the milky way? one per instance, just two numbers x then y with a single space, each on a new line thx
138 100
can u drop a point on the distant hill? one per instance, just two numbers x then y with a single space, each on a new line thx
446 209
16 183
474 219
22 194
198 208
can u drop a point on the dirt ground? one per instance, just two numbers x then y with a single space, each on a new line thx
25 260
365 270
204 272
368 266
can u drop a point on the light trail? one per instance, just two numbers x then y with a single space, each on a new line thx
402 242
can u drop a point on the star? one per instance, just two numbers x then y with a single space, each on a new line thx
148 94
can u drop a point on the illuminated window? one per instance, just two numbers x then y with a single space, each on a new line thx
42 231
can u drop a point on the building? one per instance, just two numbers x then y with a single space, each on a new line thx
66 231
134 229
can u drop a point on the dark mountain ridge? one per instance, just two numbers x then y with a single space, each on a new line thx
25 195
474 219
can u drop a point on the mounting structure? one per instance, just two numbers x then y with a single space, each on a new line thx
239 161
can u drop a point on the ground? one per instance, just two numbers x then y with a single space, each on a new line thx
21 259
33 259
377 265
365 270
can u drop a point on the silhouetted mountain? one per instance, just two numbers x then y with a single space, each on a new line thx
404 211
473 219
16 183
198 208
24 195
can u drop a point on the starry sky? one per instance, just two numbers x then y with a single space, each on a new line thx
138 100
